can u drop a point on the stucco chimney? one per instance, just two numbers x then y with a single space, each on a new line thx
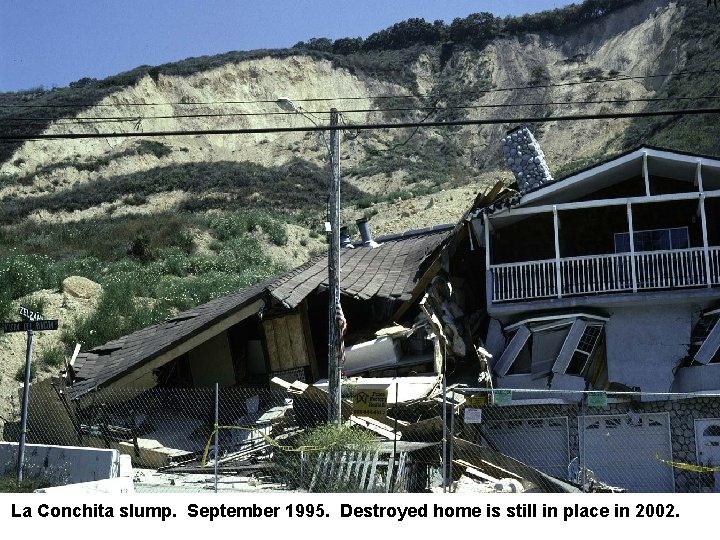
526 159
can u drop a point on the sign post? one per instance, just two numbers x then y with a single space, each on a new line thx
36 323
25 402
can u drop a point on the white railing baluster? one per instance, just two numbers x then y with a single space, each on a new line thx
605 273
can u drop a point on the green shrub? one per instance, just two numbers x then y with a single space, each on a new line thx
53 356
335 438
36 304
20 373
140 248
155 148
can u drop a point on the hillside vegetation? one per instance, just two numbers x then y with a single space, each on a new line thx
165 223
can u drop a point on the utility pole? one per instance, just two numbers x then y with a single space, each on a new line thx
334 381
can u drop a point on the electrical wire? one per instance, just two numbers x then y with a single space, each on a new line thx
369 98
365 127
84 120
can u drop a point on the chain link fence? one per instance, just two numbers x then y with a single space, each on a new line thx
460 440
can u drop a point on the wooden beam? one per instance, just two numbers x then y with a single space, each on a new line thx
698 176
309 344
599 203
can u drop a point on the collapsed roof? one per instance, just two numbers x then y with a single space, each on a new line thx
388 271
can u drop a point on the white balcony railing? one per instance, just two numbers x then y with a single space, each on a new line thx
600 274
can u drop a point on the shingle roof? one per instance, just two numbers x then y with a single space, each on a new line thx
108 362
389 271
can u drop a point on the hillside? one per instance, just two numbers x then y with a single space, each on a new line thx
173 221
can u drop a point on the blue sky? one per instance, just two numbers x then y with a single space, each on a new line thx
54 42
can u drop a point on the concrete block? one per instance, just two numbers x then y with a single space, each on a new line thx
110 485
62 464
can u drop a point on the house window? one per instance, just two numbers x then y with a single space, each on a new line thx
653 240
581 345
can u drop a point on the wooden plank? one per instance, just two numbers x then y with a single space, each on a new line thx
280 383
297 340
271 344
419 288
330 471
309 345
389 472
363 475
319 466
285 350
499 465
352 458
343 465
400 479
371 475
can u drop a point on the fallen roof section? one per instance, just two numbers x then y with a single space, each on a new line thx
388 271
107 363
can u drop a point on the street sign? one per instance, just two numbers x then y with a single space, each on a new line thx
24 326
30 315
502 397
597 399
476 401
473 416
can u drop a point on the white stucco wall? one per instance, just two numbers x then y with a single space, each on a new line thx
644 344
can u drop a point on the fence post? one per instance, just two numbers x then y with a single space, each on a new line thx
452 439
583 474
217 438
444 424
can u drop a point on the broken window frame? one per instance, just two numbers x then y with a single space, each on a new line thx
572 353
578 343
709 344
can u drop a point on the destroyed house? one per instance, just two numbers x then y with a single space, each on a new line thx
623 256
277 328
607 279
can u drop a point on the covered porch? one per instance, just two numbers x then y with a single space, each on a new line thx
607 246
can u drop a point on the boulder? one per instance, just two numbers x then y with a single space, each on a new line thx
81 287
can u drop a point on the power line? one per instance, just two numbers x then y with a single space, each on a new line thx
369 98
84 120
366 127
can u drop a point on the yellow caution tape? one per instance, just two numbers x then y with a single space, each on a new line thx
269 439
687 466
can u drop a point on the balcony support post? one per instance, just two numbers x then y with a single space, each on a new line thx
632 247
558 272
706 248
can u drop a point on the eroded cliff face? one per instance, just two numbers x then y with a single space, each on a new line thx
632 41
487 83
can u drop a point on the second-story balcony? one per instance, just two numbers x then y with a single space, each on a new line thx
605 274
